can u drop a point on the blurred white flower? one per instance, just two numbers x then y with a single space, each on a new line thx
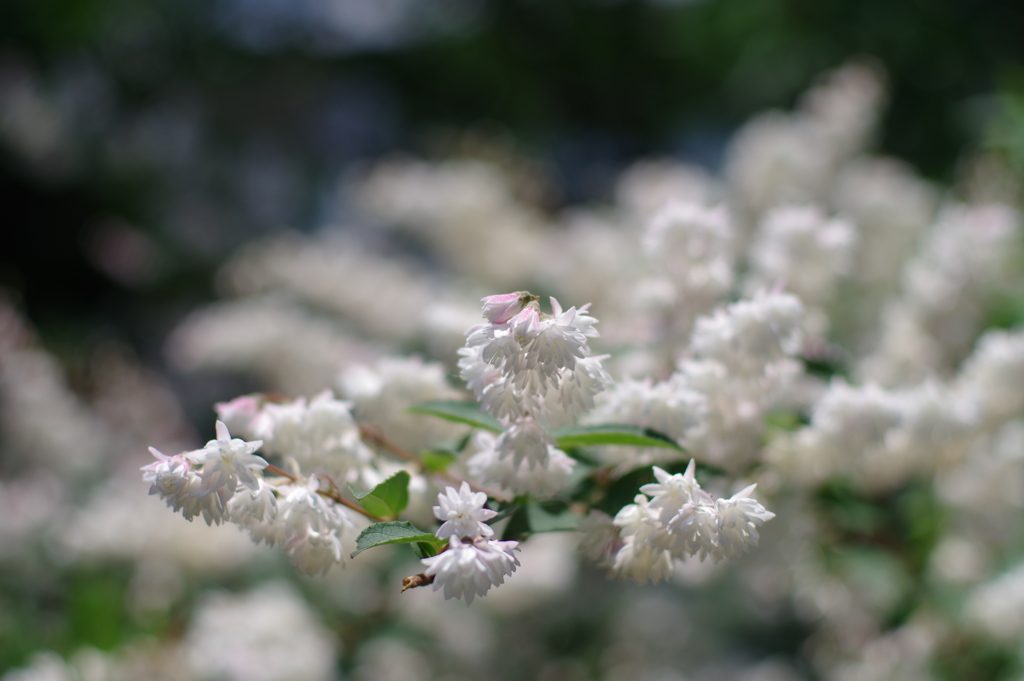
268 634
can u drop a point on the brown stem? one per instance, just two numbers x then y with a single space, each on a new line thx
330 494
416 580
277 471
374 436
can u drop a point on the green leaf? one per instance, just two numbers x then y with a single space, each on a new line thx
518 527
387 499
437 460
426 549
613 434
782 420
544 521
458 411
397 532
504 513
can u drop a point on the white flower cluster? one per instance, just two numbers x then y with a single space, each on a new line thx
473 562
965 257
531 371
382 393
880 437
780 158
284 345
740 364
993 375
691 249
466 209
799 247
997 607
202 482
319 435
268 634
224 480
679 520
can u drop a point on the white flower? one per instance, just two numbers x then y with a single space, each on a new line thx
695 530
259 506
533 365
692 246
463 514
695 522
303 509
175 479
470 569
532 348
674 495
240 413
776 158
169 475
997 607
522 478
749 334
227 462
382 394
801 247
271 633
271 533
211 506
574 394
671 407
308 526
739 516
994 374
320 435
641 562
644 553
600 540
314 552
477 373
525 441
557 342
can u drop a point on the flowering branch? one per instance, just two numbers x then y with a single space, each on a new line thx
330 494
376 437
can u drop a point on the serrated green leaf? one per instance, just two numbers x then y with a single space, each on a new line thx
437 460
543 521
387 499
458 411
395 532
613 434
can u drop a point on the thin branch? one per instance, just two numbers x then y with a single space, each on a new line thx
376 437
334 496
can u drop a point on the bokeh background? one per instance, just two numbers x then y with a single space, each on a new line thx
143 143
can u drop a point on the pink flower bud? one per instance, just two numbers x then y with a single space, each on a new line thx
503 307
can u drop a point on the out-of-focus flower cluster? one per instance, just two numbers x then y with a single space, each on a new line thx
819 327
